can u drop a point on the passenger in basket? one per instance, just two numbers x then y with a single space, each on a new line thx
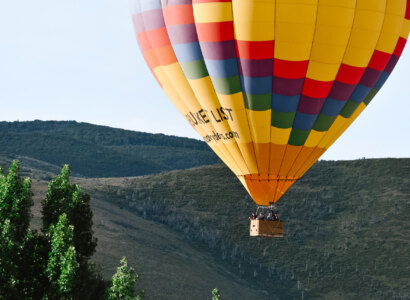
253 216
270 216
260 216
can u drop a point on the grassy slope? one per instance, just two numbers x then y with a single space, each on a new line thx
169 267
346 231
100 151
346 226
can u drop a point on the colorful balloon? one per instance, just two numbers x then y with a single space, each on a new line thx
271 84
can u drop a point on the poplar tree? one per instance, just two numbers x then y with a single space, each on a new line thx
15 203
123 282
52 264
62 264
32 260
8 266
64 197
216 295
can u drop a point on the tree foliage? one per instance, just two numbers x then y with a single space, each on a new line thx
216 295
53 264
62 264
15 201
8 267
32 261
64 197
122 284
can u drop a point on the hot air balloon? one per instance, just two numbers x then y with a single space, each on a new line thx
271 84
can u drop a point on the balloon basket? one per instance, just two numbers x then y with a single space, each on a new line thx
267 228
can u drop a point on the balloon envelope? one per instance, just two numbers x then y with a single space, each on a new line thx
271 84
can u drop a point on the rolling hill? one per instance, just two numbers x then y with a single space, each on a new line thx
346 226
100 151
346 232
186 231
169 266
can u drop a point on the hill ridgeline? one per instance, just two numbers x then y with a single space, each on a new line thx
100 151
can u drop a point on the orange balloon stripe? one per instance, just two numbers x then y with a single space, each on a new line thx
166 55
151 59
314 156
262 156
301 159
281 189
276 156
291 154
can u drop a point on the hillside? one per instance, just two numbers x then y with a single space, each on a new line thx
100 151
346 231
169 267
346 226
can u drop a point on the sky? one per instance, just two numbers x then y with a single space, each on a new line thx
79 60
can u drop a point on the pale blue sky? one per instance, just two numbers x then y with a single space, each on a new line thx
79 60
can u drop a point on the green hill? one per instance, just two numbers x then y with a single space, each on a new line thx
346 222
170 267
100 151
346 232
346 226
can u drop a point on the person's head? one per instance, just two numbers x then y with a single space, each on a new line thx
260 214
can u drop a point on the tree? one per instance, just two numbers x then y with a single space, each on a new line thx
64 197
32 262
216 295
8 267
62 264
15 201
48 265
122 284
